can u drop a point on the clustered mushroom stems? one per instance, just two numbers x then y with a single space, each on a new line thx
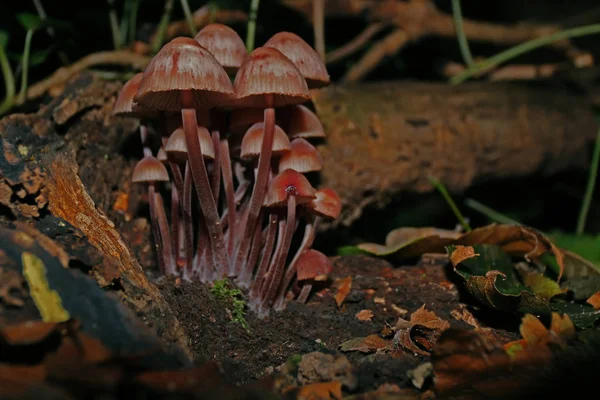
233 122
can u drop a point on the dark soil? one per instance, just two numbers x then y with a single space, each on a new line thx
320 325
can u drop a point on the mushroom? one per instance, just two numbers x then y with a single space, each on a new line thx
184 76
303 123
267 79
303 56
326 204
312 266
303 157
150 170
289 188
225 44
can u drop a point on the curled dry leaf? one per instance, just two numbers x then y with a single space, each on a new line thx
344 287
536 335
367 344
462 253
420 334
364 315
594 300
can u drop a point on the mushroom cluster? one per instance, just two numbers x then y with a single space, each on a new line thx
233 156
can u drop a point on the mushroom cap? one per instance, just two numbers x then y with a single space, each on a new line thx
252 141
125 106
183 65
312 264
149 170
326 203
303 157
225 44
177 147
161 155
303 56
304 123
269 79
289 183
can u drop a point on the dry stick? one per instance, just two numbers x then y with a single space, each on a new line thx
388 46
229 195
259 190
202 184
355 44
319 27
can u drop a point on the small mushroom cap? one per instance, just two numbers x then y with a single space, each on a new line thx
183 65
177 146
149 170
303 56
304 123
225 44
303 157
326 204
269 79
161 155
289 183
313 264
125 106
252 141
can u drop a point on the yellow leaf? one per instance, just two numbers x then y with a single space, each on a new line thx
47 300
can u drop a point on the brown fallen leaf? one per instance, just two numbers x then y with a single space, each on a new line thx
462 253
193 379
344 287
365 344
594 300
319 391
34 332
420 333
462 314
536 335
364 315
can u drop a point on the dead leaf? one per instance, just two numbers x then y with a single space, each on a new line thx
536 335
462 314
541 285
420 333
320 391
364 315
31 332
462 253
365 344
193 379
594 300
344 287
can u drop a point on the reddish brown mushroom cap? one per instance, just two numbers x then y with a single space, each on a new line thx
125 106
177 147
149 170
303 157
183 65
252 141
161 155
303 56
326 204
267 73
289 183
312 264
303 123
225 44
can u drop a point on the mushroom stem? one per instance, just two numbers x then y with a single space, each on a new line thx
279 264
229 194
245 277
215 179
259 190
175 222
203 190
187 221
163 227
144 138
266 257
307 241
155 229
303 296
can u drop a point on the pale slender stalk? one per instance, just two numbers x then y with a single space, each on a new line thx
490 213
9 83
162 26
25 67
463 44
188 17
589 191
251 31
114 25
523 48
319 27
135 6
442 189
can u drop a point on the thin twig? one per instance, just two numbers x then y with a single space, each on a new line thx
135 6
360 41
490 213
251 31
188 16
319 27
589 191
9 82
158 38
460 33
523 48
25 66
442 189
114 24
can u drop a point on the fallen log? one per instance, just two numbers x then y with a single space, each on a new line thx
387 138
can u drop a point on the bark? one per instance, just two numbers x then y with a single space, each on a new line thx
387 138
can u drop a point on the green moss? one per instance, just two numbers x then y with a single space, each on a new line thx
233 297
